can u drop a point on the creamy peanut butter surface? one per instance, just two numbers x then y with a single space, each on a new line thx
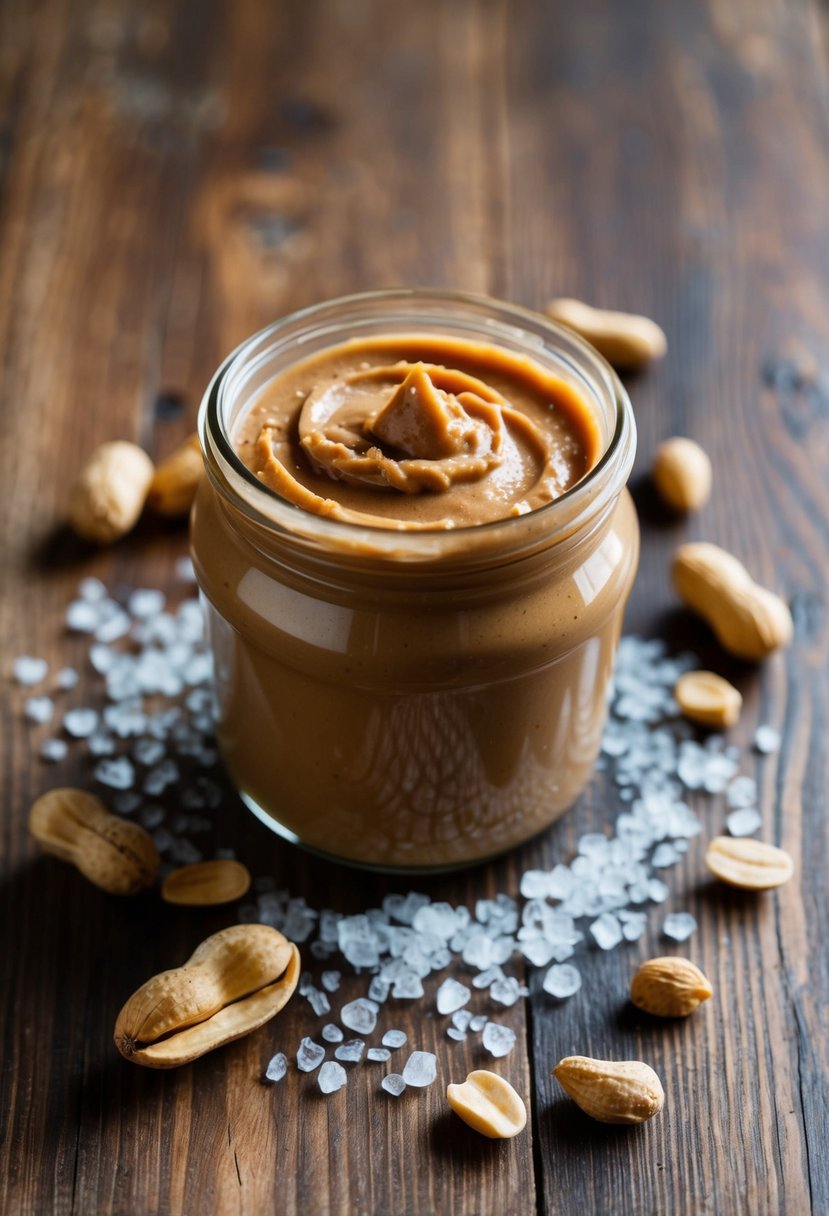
415 431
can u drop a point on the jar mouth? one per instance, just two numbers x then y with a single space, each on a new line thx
415 310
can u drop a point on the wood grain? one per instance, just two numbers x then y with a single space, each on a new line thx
176 174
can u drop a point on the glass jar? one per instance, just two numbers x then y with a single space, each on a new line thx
412 700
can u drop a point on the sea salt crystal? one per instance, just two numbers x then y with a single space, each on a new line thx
53 750
679 926
277 1067
378 1055
535 884
332 1076
606 931
394 1038
393 1084
538 951
28 670
485 978
497 1039
742 792
80 723
507 991
92 589
408 986
766 740
562 980
102 658
39 710
461 1019
149 752
145 602
664 855
477 1023
185 570
116 626
438 918
319 1002
332 1033
378 989
743 822
657 890
633 924
420 1069
118 774
309 1055
82 617
454 1033
360 1015
330 980
66 679
351 1052
452 995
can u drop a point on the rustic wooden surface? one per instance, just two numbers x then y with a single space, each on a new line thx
175 175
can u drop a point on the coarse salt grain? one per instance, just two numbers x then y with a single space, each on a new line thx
332 1076
28 670
277 1067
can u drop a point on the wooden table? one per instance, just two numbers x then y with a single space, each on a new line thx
175 175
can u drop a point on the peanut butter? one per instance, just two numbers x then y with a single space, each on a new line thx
415 565
418 433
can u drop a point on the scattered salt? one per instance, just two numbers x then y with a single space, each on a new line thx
360 1015
766 740
562 980
352 1051
117 774
82 617
394 1038
452 995
28 670
309 1055
420 1069
92 589
53 750
39 710
743 822
606 931
393 1084
507 991
319 1002
332 1076
679 926
408 986
378 1055
332 1033
497 1039
80 723
277 1067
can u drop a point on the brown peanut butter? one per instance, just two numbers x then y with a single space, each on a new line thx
418 432
434 696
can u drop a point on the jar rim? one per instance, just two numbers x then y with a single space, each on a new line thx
556 520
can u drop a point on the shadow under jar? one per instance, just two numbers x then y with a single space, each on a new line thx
412 698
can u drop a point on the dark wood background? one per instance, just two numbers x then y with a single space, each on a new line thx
173 175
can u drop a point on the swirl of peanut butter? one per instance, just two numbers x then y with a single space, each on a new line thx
411 428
